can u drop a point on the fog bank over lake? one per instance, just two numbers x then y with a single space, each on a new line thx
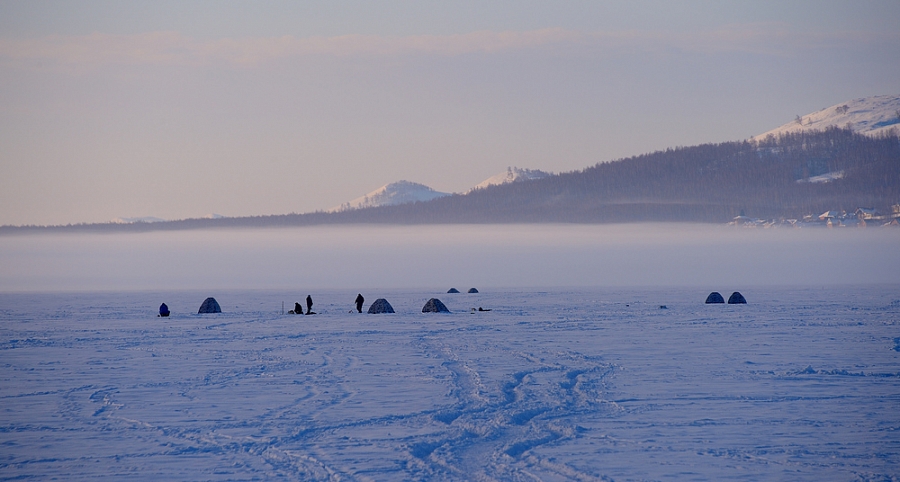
440 256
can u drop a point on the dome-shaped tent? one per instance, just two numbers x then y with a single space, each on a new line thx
715 297
434 305
473 290
736 298
453 290
381 305
210 305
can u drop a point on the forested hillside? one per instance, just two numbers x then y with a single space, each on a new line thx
707 183
784 177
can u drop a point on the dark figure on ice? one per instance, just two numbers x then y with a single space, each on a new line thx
359 302
163 310
309 310
298 310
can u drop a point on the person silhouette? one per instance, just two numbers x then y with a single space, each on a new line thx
359 302
298 310
309 304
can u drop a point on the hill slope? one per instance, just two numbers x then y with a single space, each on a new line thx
707 183
869 115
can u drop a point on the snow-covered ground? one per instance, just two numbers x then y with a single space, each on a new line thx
868 115
827 177
554 384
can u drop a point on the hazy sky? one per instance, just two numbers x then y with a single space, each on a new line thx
180 109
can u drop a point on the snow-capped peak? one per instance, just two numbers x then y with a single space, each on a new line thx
512 174
868 115
399 192
145 219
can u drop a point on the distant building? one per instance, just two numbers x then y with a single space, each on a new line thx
830 215
866 213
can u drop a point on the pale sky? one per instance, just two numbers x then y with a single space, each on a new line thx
181 109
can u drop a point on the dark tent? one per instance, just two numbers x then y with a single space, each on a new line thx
736 298
381 305
210 305
163 310
434 305
714 297
473 290
453 290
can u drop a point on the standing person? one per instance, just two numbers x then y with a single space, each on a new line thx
359 302
309 310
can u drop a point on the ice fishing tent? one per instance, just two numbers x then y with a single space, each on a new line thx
736 298
453 290
381 305
715 297
434 305
473 290
163 310
210 305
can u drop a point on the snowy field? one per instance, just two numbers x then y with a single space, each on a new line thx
556 384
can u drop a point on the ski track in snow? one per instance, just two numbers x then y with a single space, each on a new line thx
800 384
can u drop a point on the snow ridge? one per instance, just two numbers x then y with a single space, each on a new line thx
145 219
400 192
512 174
868 115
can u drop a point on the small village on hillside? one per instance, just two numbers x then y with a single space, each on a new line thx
861 218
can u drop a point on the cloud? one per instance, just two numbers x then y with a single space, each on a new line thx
172 48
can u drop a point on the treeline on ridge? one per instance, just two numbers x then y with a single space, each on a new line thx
705 183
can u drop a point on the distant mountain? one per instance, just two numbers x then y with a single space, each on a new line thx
145 219
512 174
151 219
400 192
796 173
789 176
868 115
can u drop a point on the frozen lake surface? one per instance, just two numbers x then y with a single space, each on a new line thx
582 384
